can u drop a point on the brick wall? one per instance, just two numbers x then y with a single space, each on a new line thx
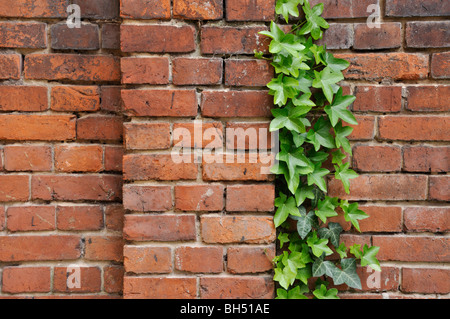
202 229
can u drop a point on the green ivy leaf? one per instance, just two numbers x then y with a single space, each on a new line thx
335 64
322 267
323 293
369 257
326 208
342 251
283 88
317 177
314 21
333 233
286 206
338 109
320 134
344 174
305 224
285 119
326 80
353 214
341 137
338 157
319 246
284 276
347 275
303 274
303 193
283 238
288 7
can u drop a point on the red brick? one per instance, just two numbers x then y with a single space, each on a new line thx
90 280
197 71
410 128
365 129
75 98
428 98
113 158
440 65
250 198
147 260
111 99
386 280
394 66
171 103
83 158
138 137
381 99
113 279
14 188
233 40
250 10
104 248
237 229
10 66
114 215
377 158
34 9
439 188
387 219
147 198
160 228
338 36
198 9
345 8
427 34
248 72
86 37
73 187
158 167
26 279
236 288
111 36
33 248
99 9
2 218
149 70
241 260
23 98
198 135
236 104
28 158
249 136
241 168
406 8
30 218
382 187
413 248
387 36
27 35
157 38
100 127
427 219
149 9
206 260
79 217
199 197
159 288
428 281
426 159
72 67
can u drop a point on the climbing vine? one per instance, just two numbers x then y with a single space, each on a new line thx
310 114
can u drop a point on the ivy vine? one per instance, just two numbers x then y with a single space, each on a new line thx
310 114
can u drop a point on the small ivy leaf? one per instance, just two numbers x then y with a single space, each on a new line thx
285 276
342 251
288 207
338 109
319 52
303 274
314 21
258 54
319 246
289 65
341 137
303 193
355 250
322 267
304 82
347 275
283 118
335 64
305 224
369 257
323 293
317 157
288 7
283 88
303 103
320 135
299 139
282 294
353 214
326 80
283 238
344 174
317 177
333 233
325 209
338 157
318 195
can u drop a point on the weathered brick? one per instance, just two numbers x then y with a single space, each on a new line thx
198 135
249 136
147 136
198 9
111 36
206 260
412 128
82 158
75 98
241 260
26 280
99 9
251 198
250 10
90 280
426 159
113 158
388 36
236 288
378 99
2 217
79 217
26 35
147 260
34 9
199 197
14 188
428 98
147 9
111 99
197 71
23 98
440 65
113 279
104 248
428 34
427 219
157 38
172 103
147 198
149 70
426 280
160 228
160 288
345 8
439 188
114 215
100 127
248 72
377 158
28 158
10 66
384 219
407 8
338 36
31 218
86 37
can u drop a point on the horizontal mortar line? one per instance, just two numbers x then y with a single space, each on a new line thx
416 264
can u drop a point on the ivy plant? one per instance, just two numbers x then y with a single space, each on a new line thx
310 112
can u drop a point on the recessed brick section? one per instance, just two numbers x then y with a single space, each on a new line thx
251 198
388 36
423 280
199 197
110 99
198 9
147 198
10 66
252 260
153 70
28 158
113 279
440 65
427 219
236 288
170 103
250 10
199 259
157 38
160 228
198 135
160 288
378 99
377 158
383 219
90 280
147 260
439 186
87 158
31 218
26 35
138 136
197 71
148 9
73 218
428 34
248 72
87 37
113 158
26 280
111 36
428 98
414 128
426 159
406 8
75 98
114 215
